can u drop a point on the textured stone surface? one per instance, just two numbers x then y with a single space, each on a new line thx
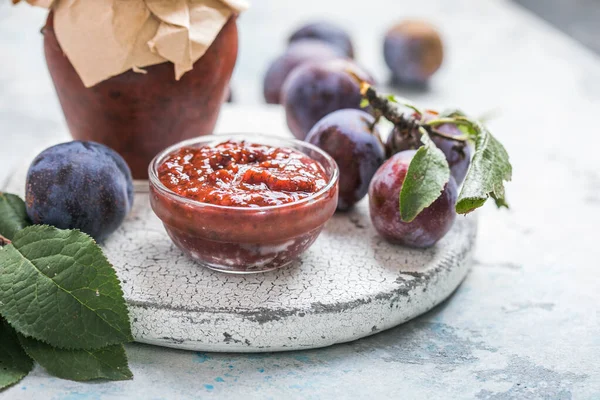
523 325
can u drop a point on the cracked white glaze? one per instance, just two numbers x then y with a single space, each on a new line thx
349 284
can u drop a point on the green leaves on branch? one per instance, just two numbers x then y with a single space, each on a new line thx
490 168
428 171
425 179
15 364
64 300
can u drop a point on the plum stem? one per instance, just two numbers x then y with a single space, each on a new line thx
386 108
4 241
382 105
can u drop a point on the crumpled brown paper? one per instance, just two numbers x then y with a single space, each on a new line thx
103 38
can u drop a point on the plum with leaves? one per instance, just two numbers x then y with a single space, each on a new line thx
413 50
79 185
326 32
353 141
425 229
299 52
314 90
458 154
415 184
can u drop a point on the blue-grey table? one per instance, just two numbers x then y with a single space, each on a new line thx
524 324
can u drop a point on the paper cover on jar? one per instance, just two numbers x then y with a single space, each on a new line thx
103 38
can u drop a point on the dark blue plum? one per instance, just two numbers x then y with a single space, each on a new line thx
413 51
297 54
328 33
79 185
354 143
314 90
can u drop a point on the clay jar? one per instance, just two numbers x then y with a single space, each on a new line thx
138 115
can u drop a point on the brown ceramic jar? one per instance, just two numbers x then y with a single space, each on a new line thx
138 115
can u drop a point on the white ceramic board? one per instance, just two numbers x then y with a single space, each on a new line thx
350 284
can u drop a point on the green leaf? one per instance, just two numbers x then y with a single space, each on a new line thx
364 103
56 286
426 177
15 364
80 365
13 216
490 168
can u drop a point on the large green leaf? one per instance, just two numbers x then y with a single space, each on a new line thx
80 365
13 216
490 168
56 286
426 177
15 364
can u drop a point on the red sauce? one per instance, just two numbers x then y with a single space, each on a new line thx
242 174
247 237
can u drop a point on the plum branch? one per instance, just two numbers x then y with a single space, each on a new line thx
406 125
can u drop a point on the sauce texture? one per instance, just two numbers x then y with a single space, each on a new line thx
242 174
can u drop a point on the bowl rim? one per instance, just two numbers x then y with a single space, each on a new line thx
156 183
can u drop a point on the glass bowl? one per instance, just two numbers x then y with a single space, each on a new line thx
241 239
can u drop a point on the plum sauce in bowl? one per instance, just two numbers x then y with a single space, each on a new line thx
243 203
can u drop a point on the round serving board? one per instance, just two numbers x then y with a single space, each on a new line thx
350 284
